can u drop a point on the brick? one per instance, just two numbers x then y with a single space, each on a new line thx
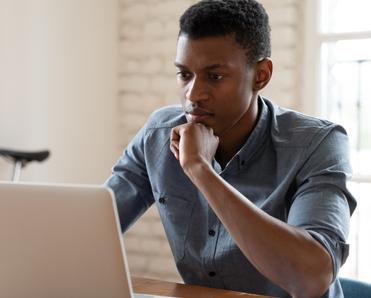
281 97
125 3
287 15
129 103
130 66
283 57
169 68
164 47
137 262
153 29
284 36
133 83
284 77
136 12
161 265
133 49
149 229
153 65
156 99
140 245
171 98
283 80
169 9
149 246
129 32
152 214
171 28
268 4
133 121
162 84
126 135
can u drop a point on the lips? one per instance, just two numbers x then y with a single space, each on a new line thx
197 114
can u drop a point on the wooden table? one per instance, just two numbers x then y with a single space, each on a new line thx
157 287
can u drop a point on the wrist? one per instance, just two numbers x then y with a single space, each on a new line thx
197 169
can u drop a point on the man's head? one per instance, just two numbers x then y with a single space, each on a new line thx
246 20
222 64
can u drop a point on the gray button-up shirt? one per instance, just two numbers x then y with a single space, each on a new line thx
292 166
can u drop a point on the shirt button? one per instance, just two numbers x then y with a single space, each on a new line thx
162 200
212 273
211 232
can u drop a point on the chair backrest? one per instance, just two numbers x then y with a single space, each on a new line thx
354 288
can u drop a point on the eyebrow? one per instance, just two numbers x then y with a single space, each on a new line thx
209 67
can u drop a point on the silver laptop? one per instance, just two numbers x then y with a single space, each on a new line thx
61 241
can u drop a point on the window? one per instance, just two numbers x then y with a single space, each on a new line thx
338 71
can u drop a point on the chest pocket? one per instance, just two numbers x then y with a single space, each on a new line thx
175 214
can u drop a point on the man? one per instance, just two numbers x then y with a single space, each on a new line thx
252 196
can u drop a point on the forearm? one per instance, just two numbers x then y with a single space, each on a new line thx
287 255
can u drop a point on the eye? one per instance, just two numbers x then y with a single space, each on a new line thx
184 75
215 77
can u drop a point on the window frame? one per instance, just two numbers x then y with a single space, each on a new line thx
311 102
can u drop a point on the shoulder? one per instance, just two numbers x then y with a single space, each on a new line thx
166 117
292 128
150 141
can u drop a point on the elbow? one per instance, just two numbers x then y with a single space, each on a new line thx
312 286
314 279
312 283
310 290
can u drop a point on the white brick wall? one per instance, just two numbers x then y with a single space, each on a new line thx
148 31
286 42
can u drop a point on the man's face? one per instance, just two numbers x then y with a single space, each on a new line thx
216 85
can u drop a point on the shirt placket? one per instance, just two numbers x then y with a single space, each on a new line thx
214 225
211 246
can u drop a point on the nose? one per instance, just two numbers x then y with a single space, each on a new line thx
196 90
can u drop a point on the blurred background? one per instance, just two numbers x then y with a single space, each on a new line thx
80 78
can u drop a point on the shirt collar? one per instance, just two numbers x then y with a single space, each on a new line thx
257 136
252 145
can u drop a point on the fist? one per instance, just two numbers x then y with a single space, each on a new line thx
192 143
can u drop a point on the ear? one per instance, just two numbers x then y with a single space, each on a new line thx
263 74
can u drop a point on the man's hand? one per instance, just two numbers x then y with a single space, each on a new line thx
193 143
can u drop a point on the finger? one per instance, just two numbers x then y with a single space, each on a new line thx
175 135
175 144
175 151
175 138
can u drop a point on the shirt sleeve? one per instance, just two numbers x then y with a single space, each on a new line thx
322 204
130 183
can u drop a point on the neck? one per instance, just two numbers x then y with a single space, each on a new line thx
231 143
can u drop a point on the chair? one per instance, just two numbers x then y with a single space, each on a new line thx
354 288
21 158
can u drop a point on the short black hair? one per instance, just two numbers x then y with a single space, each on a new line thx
247 20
